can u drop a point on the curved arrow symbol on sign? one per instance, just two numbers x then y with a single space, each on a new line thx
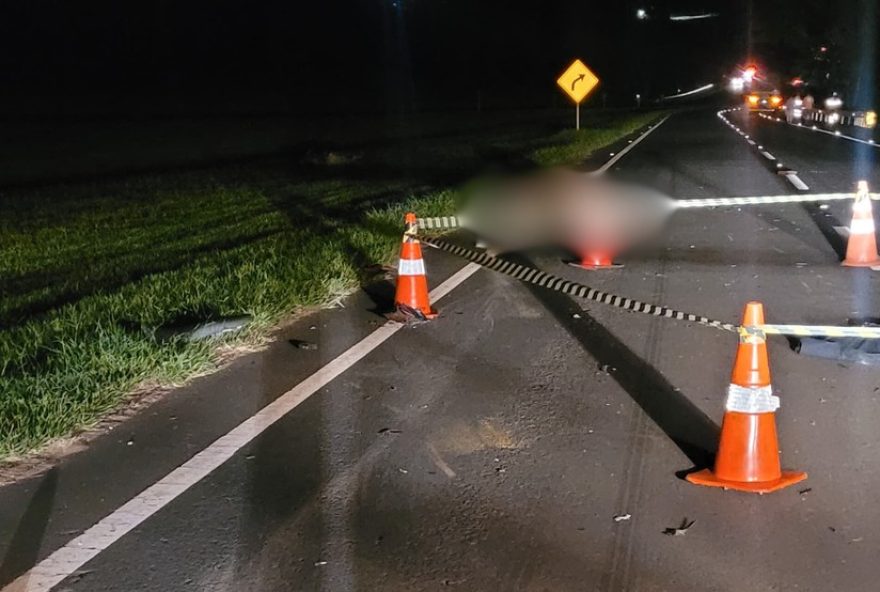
576 80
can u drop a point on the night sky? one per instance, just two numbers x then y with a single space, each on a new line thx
360 55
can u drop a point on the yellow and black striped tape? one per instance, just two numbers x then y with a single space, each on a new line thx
551 282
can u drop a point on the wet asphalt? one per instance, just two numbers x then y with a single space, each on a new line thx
492 448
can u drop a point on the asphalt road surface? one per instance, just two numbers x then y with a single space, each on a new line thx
492 448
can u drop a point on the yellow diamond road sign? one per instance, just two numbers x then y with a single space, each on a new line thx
577 81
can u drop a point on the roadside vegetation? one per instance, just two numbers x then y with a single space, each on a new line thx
89 271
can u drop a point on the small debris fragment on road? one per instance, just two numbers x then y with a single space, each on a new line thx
804 491
80 574
407 315
575 316
404 471
679 530
622 517
388 431
300 344
320 563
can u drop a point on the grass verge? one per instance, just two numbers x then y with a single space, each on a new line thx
89 271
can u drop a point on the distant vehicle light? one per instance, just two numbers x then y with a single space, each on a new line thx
871 119
753 99
775 100
737 84
798 102
797 113
832 118
749 73
833 102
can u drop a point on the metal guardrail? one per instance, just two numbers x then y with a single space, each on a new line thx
863 119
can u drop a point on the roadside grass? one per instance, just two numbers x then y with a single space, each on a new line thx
89 271
571 146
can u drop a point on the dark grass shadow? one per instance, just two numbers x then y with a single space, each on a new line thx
682 421
156 265
331 222
27 540
300 211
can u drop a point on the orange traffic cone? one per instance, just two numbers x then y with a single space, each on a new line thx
594 260
748 453
861 248
412 283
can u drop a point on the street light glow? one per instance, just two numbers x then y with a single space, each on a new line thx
700 89
692 17
641 14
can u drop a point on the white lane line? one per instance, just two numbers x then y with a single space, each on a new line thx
623 152
49 572
767 155
796 181
752 142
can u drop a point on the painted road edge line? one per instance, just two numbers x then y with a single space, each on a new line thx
66 560
623 152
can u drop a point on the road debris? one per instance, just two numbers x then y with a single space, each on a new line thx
407 315
80 574
388 431
301 344
200 331
679 530
804 491
320 563
622 517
